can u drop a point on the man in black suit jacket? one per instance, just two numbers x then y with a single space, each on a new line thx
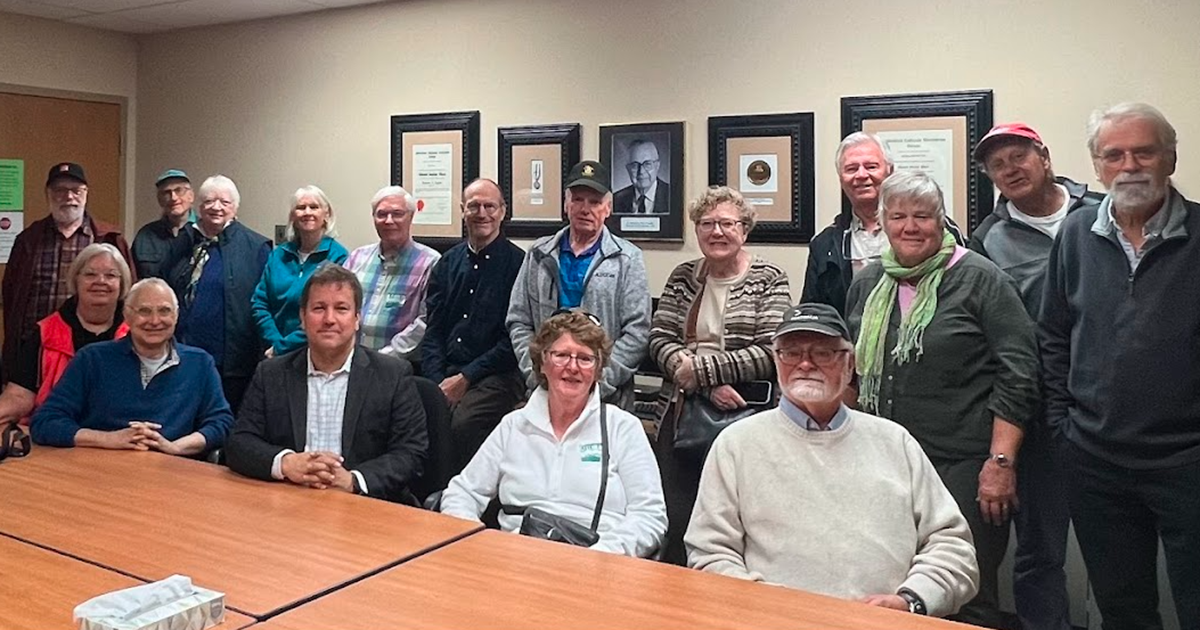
333 415
647 194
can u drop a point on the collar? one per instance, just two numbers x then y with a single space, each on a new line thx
293 246
172 352
489 249
205 237
806 422
653 190
537 411
856 225
564 244
1106 222
399 252
312 371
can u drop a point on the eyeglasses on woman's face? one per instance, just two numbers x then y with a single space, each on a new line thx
561 359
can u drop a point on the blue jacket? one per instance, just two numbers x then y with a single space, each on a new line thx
102 390
276 301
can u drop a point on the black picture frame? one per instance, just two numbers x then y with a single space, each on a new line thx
665 225
976 106
465 121
568 137
800 227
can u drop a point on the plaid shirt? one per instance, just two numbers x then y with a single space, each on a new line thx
393 314
52 258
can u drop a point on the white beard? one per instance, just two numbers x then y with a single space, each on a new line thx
811 391
1136 195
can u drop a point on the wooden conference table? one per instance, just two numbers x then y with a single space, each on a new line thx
267 546
42 588
498 580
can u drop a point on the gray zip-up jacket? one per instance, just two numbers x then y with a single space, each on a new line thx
615 290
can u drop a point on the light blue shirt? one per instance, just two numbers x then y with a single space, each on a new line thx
1106 225
806 422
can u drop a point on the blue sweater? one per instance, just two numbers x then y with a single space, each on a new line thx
276 301
102 390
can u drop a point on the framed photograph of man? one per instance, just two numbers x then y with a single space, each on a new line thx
533 164
433 157
932 132
769 159
646 162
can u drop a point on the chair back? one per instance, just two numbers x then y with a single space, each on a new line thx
439 464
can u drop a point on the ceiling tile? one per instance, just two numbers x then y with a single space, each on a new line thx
117 22
37 9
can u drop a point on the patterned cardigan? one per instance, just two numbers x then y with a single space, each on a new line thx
753 311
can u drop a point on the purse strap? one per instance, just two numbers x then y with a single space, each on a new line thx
603 466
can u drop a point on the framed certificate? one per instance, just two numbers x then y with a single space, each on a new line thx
769 159
433 157
533 164
934 133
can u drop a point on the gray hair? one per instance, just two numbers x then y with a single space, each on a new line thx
1121 111
717 195
289 233
394 191
862 137
220 183
912 186
142 285
86 256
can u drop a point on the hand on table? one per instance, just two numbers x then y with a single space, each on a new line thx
894 602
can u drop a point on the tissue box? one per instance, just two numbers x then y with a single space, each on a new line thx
203 609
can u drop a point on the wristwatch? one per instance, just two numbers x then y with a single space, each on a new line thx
916 605
1002 460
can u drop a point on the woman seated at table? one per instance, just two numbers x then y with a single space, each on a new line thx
97 279
308 242
711 335
547 455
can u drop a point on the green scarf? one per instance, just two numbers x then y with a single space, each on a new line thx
878 310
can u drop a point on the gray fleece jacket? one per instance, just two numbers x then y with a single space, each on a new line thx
615 290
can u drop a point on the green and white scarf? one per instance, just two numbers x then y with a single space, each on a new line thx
872 336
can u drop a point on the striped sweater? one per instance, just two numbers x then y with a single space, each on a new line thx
753 310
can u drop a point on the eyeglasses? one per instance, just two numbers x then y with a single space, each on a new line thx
820 357
1144 156
149 311
475 207
174 191
15 442
73 191
642 166
212 203
92 276
395 215
561 359
727 225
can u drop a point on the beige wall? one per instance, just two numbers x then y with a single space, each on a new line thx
45 55
285 102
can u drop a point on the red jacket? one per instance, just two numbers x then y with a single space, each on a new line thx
58 348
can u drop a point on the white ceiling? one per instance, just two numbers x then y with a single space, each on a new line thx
152 16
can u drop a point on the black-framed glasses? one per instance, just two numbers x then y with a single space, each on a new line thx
591 318
820 357
14 442
643 166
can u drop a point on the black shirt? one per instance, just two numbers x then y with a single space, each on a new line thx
151 247
466 305
27 374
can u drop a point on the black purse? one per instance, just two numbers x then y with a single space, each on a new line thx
538 523
698 423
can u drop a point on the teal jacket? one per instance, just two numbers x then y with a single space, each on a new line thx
276 301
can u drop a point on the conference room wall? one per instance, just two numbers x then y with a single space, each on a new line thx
51 58
306 99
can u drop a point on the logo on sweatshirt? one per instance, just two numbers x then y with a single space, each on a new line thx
589 452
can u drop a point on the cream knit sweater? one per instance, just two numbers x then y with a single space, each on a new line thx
848 513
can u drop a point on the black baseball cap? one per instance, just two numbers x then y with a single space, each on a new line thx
66 169
589 173
818 318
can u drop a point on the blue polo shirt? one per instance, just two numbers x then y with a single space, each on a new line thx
572 271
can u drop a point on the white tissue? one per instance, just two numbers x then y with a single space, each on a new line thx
148 605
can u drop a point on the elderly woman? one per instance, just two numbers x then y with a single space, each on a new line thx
307 244
548 454
946 349
97 279
214 271
711 337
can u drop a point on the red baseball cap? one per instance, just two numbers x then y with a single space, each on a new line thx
1005 130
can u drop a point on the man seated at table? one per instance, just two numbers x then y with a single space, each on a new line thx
819 497
142 392
332 414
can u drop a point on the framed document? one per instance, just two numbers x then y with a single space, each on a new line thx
433 157
932 132
769 159
646 162
533 164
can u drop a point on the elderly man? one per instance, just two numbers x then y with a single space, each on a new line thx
1017 236
35 280
819 497
647 193
141 392
395 276
856 237
467 349
333 415
152 245
586 266
1121 362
